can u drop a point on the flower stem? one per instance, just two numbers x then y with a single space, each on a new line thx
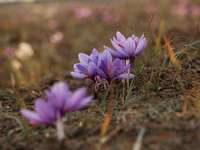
129 70
60 129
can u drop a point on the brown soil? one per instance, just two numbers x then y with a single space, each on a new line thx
161 115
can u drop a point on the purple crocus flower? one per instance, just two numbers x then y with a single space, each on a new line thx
60 101
111 70
128 48
87 68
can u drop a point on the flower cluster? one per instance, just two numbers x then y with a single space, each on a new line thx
60 101
99 67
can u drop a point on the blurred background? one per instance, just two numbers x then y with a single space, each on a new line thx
40 38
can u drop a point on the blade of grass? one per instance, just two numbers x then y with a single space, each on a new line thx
24 130
103 100
159 50
149 25
171 53
190 46
104 32
127 96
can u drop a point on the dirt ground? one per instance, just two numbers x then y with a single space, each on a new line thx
161 115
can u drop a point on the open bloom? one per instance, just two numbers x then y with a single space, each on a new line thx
60 101
87 67
127 48
111 70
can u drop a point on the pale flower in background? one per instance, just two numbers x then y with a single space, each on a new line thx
108 17
194 10
24 51
151 8
82 13
16 65
180 9
9 50
57 37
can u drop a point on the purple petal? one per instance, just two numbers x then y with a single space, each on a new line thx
45 110
103 67
140 46
125 76
78 75
113 72
95 52
101 73
83 103
34 118
92 69
83 58
114 40
107 58
93 58
133 37
129 47
80 67
114 53
120 37
123 69
117 62
142 37
76 98
99 61
131 76
118 48
60 92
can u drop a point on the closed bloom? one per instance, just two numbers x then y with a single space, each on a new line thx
111 70
60 101
127 48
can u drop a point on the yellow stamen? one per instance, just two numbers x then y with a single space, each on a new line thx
109 69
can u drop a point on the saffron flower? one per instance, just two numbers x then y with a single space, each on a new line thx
127 49
111 70
60 101
87 68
